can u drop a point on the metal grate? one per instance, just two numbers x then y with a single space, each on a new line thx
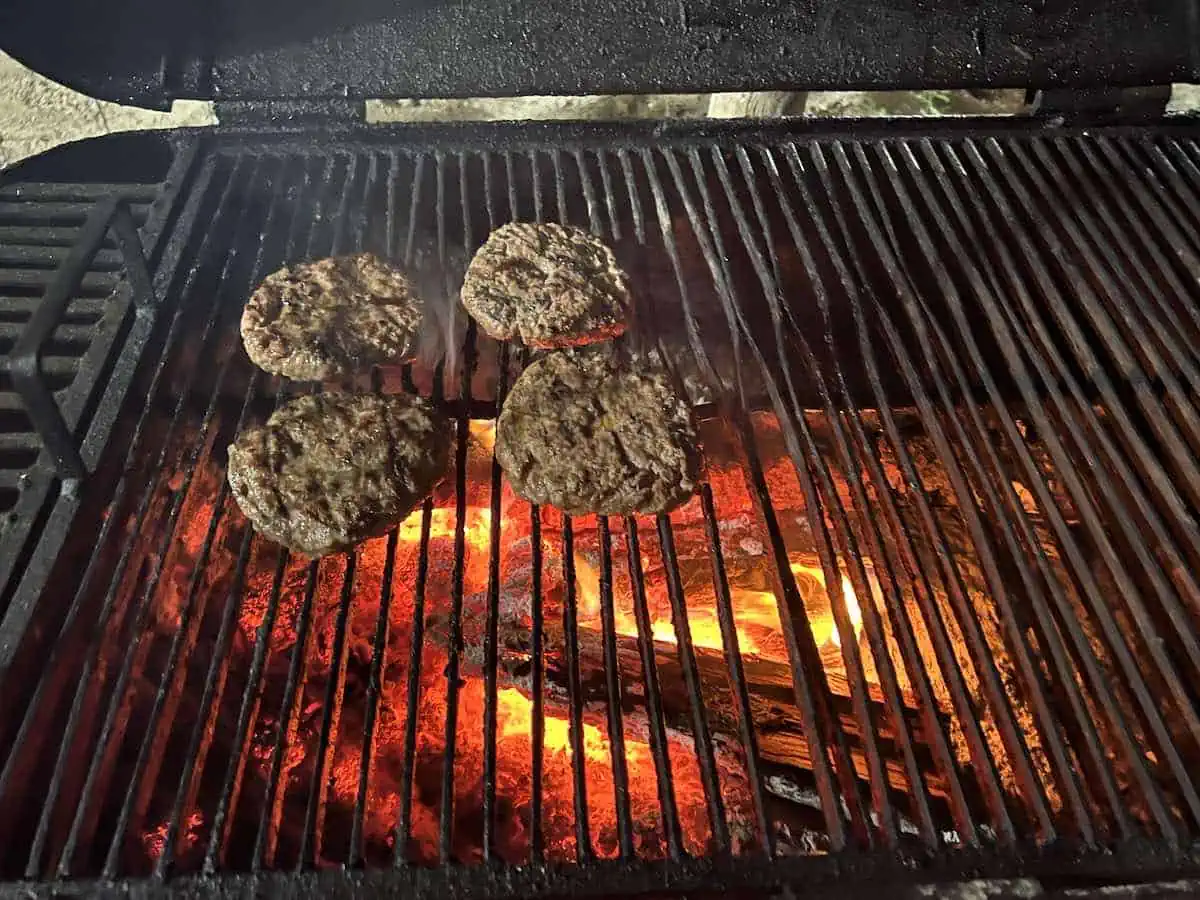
73 272
932 614
42 224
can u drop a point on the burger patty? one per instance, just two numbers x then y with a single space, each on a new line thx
328 471
549 285
581 432
331 317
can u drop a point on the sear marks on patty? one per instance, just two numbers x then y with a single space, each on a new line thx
331 317
328 471
582 433
549 285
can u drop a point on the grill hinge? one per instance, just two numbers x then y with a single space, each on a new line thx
290 113
1122 104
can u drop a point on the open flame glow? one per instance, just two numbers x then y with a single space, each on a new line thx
441 525
852 609
825 628
755 618
755 612
750 608
515 717
483 435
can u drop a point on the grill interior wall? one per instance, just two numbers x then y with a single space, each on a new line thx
963 441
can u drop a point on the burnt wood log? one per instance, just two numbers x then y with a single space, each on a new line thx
777 719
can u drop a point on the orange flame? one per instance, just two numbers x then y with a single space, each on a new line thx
441 525
752 609
755 608
483 434
824 627
515 717
515 721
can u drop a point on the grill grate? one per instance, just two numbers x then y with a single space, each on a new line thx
951 440
67 304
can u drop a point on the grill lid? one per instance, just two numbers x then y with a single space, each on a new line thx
150 53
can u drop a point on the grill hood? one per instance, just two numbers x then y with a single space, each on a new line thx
151 53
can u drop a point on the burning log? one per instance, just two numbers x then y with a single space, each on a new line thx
778 723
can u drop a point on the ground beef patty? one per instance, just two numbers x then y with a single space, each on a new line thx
328 471
331 317
549 285
582 433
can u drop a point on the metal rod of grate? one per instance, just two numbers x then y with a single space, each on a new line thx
955 449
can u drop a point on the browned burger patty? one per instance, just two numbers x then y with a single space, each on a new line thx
582 433
329 471
331 317
549 285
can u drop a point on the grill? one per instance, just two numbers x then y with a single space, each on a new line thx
931 617
65 329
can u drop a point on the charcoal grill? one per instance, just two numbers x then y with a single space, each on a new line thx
932 617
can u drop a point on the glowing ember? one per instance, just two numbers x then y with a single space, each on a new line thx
483 435
323 647
514 779
823 627
515 717
515 725
155 840
755 610
441 525
587 598
320 589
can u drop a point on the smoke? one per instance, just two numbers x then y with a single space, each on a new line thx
677 321
437 276
680 323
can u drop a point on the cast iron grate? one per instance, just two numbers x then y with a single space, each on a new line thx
73 271
932 613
